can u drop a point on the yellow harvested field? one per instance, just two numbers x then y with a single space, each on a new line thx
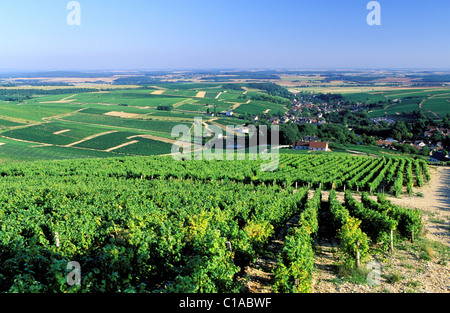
158 92
201 94
124 114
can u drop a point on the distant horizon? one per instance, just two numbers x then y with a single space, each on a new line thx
212 69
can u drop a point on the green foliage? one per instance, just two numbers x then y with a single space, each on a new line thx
425 169
165 107
352 239
409 176
349 232
309 217
132 227
409 220
147 224
294 268
375 224
398 184
272 89
130 123
339 213
418 170
364 172
211 270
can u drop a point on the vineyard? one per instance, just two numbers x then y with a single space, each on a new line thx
153 224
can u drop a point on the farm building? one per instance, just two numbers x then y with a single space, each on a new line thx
318 146
439 157
313 145
300 145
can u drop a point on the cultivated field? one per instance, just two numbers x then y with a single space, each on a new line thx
154 224
141 222
94 122
433 101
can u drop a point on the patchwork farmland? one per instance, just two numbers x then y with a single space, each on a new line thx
113 122
432 102
82 119
164 222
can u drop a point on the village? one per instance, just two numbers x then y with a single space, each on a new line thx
436 151
310 110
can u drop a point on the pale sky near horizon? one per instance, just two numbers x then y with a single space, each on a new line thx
182 34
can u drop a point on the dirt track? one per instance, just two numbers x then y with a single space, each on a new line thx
415 273
435 203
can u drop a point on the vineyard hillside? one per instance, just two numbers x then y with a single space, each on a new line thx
154 224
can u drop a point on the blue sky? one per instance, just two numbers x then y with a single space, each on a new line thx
187 34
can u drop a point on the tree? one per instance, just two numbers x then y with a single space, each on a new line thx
436 137
400 131
446 142
383 124
307 130
164 107
288 134
446 121
425 151
371 141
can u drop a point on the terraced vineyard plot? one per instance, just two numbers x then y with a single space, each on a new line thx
413 92
15 151
363 97
175 114
232 95
255 107
45 133
40 99
8 123
102 109
128 98
145 124
194 107
36 112
67 153
432 102
438 105
309 170
106 141
230 121
211 94
146 146
181 93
